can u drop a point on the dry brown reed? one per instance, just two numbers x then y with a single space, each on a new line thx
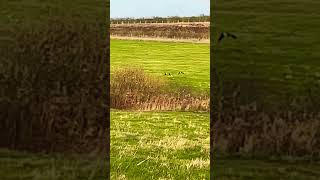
246 130
174 31
132 88
54 91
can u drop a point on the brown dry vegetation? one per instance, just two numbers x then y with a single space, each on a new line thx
249 130
245 130
53 94
132 88
165 30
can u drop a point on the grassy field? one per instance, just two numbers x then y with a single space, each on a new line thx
277 49
164 145
35 12
276 53
161 145
15 15
23 166
165 57
244 169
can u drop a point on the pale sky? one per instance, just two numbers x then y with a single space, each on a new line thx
162 8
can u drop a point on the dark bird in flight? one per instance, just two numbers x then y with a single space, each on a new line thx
226 34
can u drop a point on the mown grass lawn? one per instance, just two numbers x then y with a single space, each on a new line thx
164 145
159 58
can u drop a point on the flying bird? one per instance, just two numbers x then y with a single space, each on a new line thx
226 34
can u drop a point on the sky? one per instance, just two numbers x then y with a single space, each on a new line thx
162 8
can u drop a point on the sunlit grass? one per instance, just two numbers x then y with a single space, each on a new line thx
164 145
159 58
25 166
243 169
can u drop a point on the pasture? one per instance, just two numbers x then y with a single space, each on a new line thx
258 169
34 12
274 60
163 145
276 54
159 145
23 166
159 58
73 167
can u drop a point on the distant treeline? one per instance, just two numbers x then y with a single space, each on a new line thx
171 19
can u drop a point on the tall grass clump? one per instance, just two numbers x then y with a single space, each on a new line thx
247 130
53 94
132 88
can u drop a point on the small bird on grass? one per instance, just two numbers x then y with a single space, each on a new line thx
226 34
180 72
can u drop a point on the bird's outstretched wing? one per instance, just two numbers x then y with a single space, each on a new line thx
232 35
221 37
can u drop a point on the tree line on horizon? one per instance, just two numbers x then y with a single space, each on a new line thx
156 19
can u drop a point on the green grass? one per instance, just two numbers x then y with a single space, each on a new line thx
275 39
242 169
20 166
164 145
36 12
17 14
25 166
276 52
160 57
161 145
